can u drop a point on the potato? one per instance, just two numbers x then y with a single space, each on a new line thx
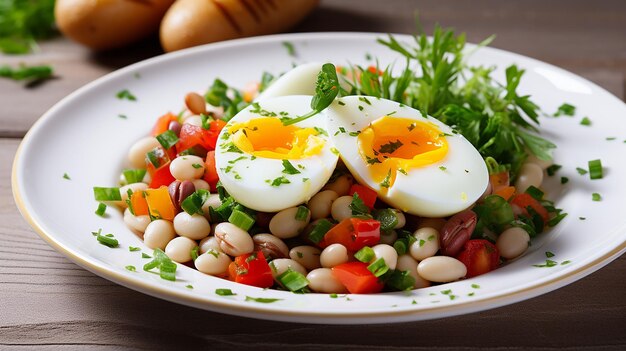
194 22
107 24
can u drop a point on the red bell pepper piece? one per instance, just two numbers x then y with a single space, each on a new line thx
366 194
210 173
251 269
160 176
357 278
191 135
524 200
479 256
353 233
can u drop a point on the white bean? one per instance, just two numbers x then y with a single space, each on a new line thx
158 233
194 227
138 223
200 184
213 262
408 263
285 225
512 242
281 265
529 174
321 203
179 249
270 245
388 237
387 253
323 280
188 167
233 240
213 201
307 256
340 209
426 243
341 185
441 269
209 243
401 219
194 120
137 152
334 255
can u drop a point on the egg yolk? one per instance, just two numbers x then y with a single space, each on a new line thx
390 145
267 137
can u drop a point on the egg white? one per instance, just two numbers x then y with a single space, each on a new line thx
436 190
249 181
300 80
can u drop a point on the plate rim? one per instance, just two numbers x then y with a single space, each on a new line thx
258 311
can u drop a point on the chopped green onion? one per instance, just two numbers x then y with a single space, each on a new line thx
319 230
224 292
400 246
581 171
357 206
131 268
107 194
167 139
386 183
549 254
241 219
134 175
167 268
378 267
65 176
365 255
279 181
564 180
565 110
194 253
133 248
107 240
189 286
125 94
585 121
595 169
193 203
400 280
261 299
387 217
302 214
101 209
292 280
157 157
552 169
206 121
596 197
289 168
535 193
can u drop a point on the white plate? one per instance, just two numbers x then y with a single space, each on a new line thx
84 137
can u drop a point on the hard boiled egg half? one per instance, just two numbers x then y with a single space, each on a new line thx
416 164
268 166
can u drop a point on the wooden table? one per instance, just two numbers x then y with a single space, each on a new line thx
47 302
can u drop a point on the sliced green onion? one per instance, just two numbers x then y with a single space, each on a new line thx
365 255
358 207
387 217
206 121
400 246
595 169
225 209
125 94
581 171
133 248
224 292
319 230
101 209
167 139
194 253
66 176
145 255
289 168
157 157
241 219
552 169
134 175
596 197
167 268
378 267
292 280
261 299
302 214
193 203
585 121
131 268
105 240
107 194
400 280
535 193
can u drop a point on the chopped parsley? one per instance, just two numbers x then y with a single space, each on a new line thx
565 110
291 50
596 197
553 169
131 268
365 100
288 168
443 168
125 95
386 183
133 248
564 180
256 108
66 176
390 147
581 171
280 181
321 131
224 292
585 121
261 299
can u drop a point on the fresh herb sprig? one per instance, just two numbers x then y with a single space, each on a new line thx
24 21
326 90
27 73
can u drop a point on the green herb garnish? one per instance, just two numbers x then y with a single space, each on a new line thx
261 299
596 197
167 139
28 73
107 194
326 89
224 292
595 169
288 168
585 121
565 110
125 95
101 209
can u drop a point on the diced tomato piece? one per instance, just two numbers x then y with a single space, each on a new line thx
210 173
139 203
357 278
505 192
251 269
366 194
191 135
524 200
214 131
353 233
163 123
479 256
160 176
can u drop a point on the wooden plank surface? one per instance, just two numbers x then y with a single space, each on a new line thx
47 302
